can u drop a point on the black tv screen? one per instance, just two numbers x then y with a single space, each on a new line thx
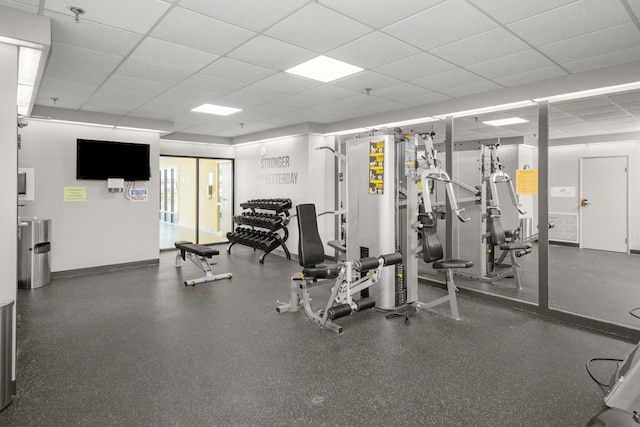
108 159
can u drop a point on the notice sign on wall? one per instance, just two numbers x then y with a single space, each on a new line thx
527 181
376 167
75 194
138 195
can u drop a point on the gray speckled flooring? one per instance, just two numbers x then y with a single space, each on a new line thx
137 347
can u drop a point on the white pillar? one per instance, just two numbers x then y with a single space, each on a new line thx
9 180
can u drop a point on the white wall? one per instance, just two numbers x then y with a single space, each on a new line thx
564 171
106 229
313 171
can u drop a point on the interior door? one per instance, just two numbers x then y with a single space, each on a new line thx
603 203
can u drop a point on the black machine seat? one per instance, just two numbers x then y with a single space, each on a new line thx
322 271
499 235
201 250
310 246
452 263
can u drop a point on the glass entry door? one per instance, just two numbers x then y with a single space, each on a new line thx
195 200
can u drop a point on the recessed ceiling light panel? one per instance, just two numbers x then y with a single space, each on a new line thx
506 122
324 69
218 110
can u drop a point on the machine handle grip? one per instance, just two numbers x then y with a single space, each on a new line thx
391 259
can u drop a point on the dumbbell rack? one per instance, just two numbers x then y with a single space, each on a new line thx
274 222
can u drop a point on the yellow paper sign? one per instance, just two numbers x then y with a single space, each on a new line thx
527 181
75 194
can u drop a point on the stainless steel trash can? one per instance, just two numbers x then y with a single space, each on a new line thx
34 253
6 347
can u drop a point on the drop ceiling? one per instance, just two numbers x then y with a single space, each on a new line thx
156 59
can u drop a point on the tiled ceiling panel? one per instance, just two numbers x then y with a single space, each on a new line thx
165 54
237 71
138 16
373 50
380 13
574 19
317 28
445 23
482 47
201 32
159 58
271 53
256 15
506 11
593 44
91 35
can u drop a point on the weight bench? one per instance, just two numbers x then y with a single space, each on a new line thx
200 256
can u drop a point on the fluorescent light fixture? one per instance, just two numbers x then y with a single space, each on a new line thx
506 122
81 123
23 111
28 62
591 92
218 110
348 131
408 122
490 109
140 129
324 69
242 144
24 95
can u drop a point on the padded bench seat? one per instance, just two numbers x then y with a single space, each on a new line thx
200 250
452 263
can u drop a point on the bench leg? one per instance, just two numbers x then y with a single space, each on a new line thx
203 264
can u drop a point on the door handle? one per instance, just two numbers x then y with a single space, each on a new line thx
584 202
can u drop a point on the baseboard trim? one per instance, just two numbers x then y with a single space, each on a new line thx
555 242
104 268
635 251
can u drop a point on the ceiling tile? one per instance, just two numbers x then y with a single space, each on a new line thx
386 106
328 93
415 67
201 32
401 91
153 72
317 28
451 79
256 93
379 13
606 60
593 44
373 50
531 76
170 55
209 84
366 79
105 109
445 23
187 119
237 71
138 16
92 36
256 15
507 11
190 98
482 47
81 74
66 91
574 19
87 59
117 99
271 53
480 87
508 65
425 98
287 83
363 101
136 86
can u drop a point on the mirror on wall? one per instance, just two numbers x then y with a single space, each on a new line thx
594 163
500 236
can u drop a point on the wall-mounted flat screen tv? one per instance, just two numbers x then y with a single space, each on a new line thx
108 159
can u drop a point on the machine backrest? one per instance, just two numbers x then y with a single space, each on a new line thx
494 227
310 246
431 245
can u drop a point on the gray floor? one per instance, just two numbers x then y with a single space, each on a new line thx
137 347
598 284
